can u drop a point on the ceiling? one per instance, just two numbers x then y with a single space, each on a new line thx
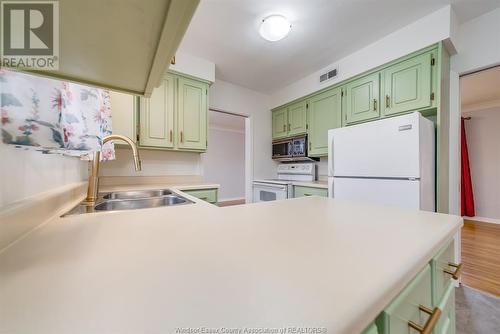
480 90
323 31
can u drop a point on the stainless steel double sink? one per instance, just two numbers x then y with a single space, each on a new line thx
130 200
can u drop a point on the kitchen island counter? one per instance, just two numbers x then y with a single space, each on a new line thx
307 262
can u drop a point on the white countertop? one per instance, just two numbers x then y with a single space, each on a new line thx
312 262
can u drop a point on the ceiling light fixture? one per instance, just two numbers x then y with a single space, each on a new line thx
274 27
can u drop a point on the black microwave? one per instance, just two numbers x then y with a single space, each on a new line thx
291 149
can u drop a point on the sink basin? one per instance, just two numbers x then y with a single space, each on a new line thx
137 194
143 203
130 200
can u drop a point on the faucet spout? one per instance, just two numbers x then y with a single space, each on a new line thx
93 186
133 146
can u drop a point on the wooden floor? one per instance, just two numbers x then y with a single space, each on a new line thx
231 203
481 256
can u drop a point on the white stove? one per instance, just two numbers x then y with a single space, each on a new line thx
281 188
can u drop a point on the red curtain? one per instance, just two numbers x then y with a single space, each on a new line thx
467 194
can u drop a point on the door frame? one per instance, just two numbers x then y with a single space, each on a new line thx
248 149
455 170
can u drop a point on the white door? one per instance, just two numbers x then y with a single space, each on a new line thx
392 192
385 148
263 192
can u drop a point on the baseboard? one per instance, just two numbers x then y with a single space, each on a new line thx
483 219
230 202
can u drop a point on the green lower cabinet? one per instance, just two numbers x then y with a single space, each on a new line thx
446 323
372 329
207 195
407 85
431 288
362 99
441 268
324 113
302 191
404 308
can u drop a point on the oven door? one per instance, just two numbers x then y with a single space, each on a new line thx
264 192
282 150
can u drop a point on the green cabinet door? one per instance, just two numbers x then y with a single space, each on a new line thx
405 307
297 118
407 85
325 113
208 195
362 99
303 191
280 123
192 114
157 115
371 329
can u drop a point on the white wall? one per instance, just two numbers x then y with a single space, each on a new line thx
228 97
478 46
224 162
27 173
194 66
433 28
483 139
478 43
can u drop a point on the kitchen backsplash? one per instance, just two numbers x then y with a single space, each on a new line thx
26 173
154 163
322 169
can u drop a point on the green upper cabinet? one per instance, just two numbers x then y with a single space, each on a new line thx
280 123
192 114
290 121
175 116
407 85
297 118
361 98
157 115
325 113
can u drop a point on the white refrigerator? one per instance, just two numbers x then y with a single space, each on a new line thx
389 162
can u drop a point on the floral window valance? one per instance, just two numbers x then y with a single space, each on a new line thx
54 116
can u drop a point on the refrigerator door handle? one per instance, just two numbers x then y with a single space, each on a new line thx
405 127
330 156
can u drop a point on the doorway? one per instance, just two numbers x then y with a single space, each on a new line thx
224 162
480 184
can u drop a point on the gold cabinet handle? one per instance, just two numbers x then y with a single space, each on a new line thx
431 322
307 194
387 101
171 135
284 127
310 145
288 126
182 137
374 104
454 274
